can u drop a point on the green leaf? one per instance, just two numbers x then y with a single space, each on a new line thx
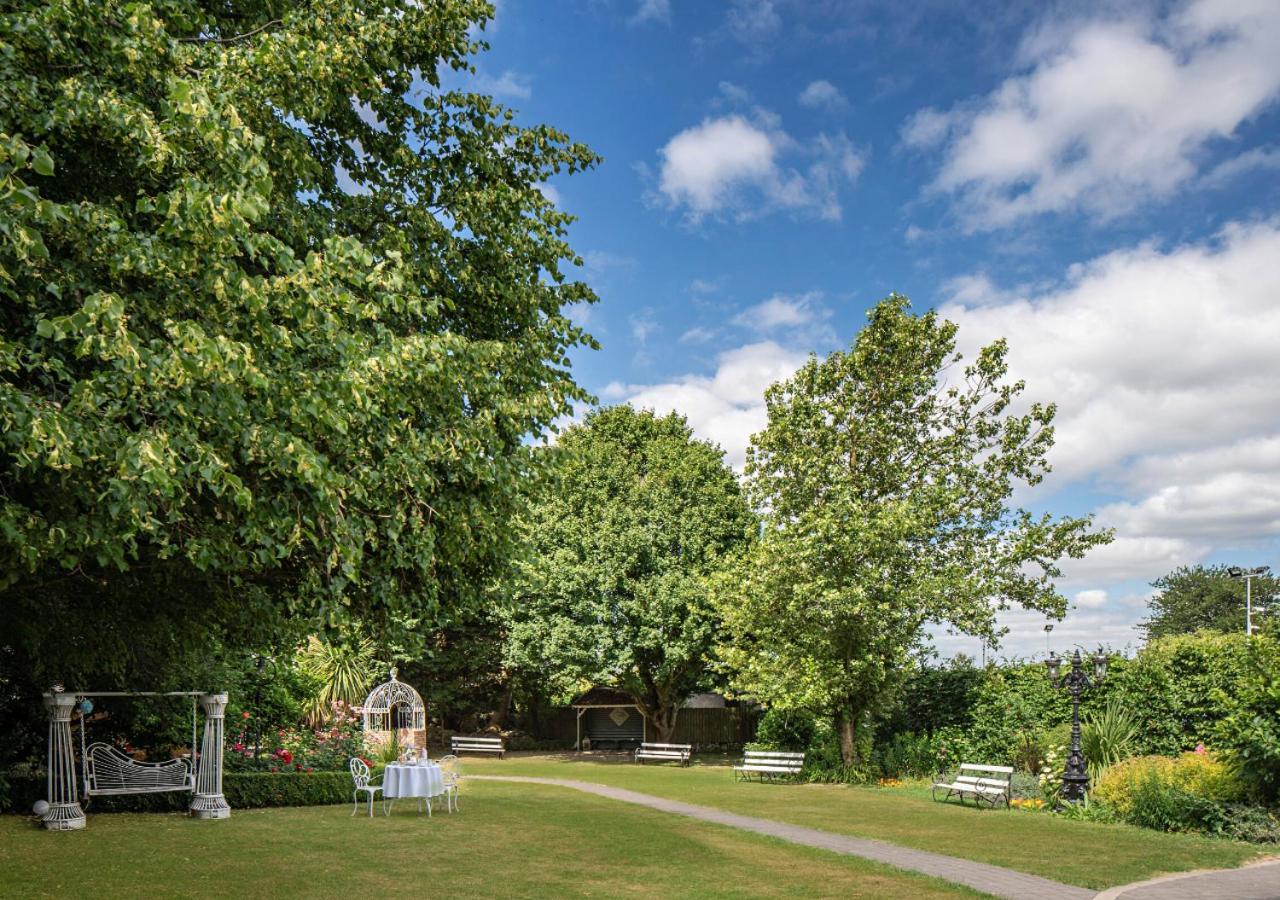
42 162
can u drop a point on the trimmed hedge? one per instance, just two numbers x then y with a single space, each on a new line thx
243 790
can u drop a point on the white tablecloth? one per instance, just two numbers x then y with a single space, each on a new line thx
412 781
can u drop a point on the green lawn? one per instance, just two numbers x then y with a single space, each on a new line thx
508 840
1082 853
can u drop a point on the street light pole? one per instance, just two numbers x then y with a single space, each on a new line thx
1248 575
1075 780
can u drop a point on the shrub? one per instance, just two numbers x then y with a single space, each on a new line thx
1197 774
1251 734
907 755
1246 822
243 790
785 729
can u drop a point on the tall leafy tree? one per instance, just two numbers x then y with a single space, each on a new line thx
614 590
885 473
1191 598
280 312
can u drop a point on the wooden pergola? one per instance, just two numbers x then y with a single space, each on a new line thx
606 698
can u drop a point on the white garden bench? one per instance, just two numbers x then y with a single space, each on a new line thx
477 745
985 784
767 764
665 752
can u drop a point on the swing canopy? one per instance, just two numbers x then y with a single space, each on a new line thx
393 706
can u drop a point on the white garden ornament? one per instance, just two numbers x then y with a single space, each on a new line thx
108 771
395 707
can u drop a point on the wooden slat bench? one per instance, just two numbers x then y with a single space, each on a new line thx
985 784
767 764
477 745
665 752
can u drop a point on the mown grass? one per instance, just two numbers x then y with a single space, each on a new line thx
508 840
1082 853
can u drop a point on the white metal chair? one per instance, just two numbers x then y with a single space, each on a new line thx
360 775
449 771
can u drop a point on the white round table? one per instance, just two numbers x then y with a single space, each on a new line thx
412 780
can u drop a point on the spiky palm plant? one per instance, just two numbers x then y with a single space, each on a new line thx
345 670
1107 737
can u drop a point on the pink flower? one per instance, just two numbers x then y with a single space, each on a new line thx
248 754
244 714
1200 748
275 768
239 746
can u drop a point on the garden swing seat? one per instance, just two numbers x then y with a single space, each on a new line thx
109 771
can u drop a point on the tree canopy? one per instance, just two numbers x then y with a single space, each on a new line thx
620 545
1191 598
280 312
885 474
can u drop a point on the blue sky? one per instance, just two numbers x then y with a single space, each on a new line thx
1100 184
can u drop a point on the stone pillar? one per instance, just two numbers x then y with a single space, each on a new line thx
209 802
64 812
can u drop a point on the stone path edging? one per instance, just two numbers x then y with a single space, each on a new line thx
989 879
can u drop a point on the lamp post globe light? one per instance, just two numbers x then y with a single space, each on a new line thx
1247 575
1075 780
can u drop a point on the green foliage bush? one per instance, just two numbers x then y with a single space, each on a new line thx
1251 733
1138 780
243 790
785 729
1217 689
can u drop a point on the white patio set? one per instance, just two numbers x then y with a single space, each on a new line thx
392 708
420 779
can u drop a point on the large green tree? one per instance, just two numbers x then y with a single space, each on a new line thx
620 545
280 313
1191 598
885 475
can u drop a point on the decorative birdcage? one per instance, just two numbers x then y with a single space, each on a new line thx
395 708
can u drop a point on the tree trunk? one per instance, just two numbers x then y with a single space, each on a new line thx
664 722
847 728
499 718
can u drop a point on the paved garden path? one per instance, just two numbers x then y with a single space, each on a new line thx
980 876
1260 881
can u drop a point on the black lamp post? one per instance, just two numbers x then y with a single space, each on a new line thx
1075 780
260 662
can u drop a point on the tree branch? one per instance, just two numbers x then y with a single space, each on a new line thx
233 38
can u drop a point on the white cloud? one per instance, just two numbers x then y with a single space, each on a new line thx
1149 351
821 94
734 94
726 407
509 84
550 192
643 326
752 21
734 165
698 335
1091 599
1164 365
1257 159
1107 114
651 11
802 317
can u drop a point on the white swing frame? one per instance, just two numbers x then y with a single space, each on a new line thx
108 771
